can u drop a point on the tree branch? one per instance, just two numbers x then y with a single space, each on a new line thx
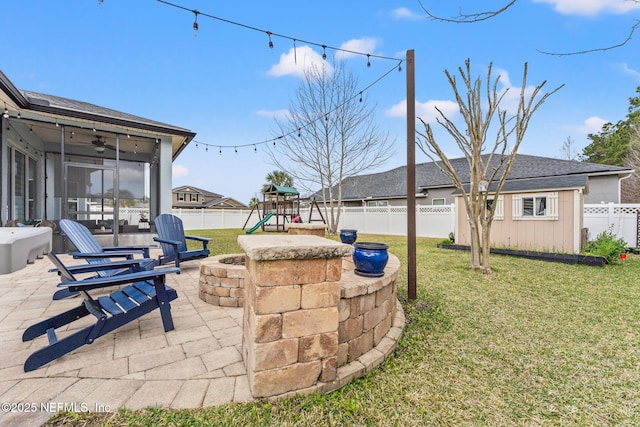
464 18
599 49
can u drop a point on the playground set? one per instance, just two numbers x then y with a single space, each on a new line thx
280 205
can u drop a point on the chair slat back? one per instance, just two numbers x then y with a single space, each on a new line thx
83 240
170 227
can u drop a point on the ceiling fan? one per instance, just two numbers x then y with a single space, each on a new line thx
100 145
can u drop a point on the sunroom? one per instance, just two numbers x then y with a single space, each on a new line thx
62 158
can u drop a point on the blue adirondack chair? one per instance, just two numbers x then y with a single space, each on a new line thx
173 241
90 250
145 292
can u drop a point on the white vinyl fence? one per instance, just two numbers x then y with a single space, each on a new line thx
621 219
431 221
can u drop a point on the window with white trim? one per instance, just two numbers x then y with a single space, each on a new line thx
437 201
181 197
535 206
193 197
498 214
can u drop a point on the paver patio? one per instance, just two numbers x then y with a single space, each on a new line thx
197 364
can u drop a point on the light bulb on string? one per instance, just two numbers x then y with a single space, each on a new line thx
195 23
235 149
6 111
220 150
295 53
255 149
400 67
57 124
19 116
324 52
270 42
368 61
360 100
299 133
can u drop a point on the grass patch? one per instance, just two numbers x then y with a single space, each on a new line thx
533 344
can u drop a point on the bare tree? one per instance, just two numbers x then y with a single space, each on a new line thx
569 151
487 174
330 134
470 18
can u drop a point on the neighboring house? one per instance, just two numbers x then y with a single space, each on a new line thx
62 158
435 188
540 206
196 198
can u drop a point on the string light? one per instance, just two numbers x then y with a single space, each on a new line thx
294 40
249 27
295 53
270 42
6 111
19 115
57 124
298 130
195 23
255 149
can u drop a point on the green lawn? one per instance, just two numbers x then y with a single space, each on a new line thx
533 344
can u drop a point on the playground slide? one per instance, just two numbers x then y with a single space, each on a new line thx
259 224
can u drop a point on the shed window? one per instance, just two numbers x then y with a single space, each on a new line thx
535 206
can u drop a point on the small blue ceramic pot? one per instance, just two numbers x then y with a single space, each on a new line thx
370 258
348 236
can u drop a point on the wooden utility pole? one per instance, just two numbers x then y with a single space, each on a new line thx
411 176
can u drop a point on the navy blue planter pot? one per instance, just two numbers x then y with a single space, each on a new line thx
370 258
348 236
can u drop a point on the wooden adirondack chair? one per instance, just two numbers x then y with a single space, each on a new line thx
145 292
173 241
90 250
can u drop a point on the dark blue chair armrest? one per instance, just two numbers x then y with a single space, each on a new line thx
122 279
170 242
143 249
120 254
202 239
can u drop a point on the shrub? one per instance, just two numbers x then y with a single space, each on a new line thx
607 245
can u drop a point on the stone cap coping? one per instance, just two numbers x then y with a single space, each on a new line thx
308 226
285 246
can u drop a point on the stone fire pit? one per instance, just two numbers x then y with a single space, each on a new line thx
222 280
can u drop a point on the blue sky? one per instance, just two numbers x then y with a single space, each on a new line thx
226 84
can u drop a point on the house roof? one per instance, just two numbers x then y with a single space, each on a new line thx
392 183
192 189
541 183
53 107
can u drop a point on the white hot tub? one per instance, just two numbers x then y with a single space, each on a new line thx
22 245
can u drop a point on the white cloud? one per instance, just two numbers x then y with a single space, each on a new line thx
512 97
405 13
592 7
274 114
624 68
296 60
425 110
364 45
179 171
593 125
